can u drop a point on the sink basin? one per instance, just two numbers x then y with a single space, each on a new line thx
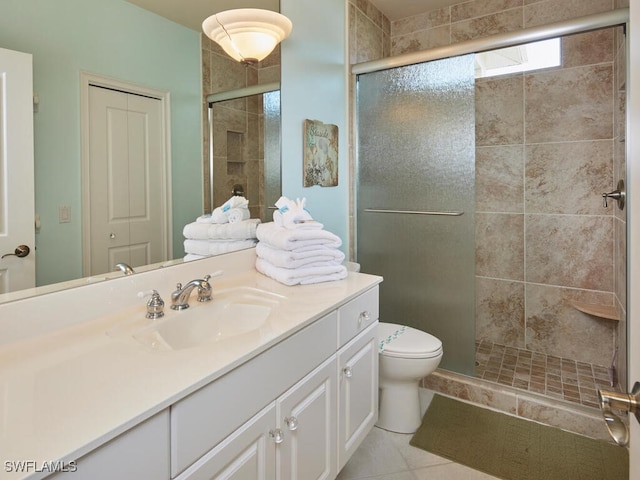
231 313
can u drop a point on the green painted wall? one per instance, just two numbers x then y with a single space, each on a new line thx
115 39
314 86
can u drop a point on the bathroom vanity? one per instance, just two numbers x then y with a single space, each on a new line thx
111 394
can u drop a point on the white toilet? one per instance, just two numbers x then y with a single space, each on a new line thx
406 356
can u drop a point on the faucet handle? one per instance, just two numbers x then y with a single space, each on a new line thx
204 290
155 305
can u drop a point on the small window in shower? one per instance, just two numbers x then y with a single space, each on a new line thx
521 58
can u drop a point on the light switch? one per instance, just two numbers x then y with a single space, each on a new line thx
64 214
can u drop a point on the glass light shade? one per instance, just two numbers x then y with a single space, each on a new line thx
247 35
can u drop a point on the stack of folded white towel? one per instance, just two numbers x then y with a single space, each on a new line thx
295 249
227 229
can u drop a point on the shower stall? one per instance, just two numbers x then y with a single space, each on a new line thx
480 201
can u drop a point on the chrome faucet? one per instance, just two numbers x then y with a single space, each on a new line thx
126 269
180 297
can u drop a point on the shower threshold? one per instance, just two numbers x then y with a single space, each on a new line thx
555 377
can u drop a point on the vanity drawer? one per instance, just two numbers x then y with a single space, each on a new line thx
357 315
207 416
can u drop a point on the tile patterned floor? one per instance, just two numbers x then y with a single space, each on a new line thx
555 377
388 456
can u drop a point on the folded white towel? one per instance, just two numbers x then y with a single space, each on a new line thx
216 247
238 214
301 276
229 231
286 239
316 256
190 257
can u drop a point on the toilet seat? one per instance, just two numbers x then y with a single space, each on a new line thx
406 342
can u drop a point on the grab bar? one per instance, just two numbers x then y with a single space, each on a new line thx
414 212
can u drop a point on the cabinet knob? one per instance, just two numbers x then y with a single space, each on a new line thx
291 422
277 435
364 316
347 372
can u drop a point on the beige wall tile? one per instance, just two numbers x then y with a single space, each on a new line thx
571 104
500 179
500 245
479 8
500 312
588 48
472 390
568 177
556 414
425 21
368 39
543 12
421 40
506 21
555 327
570 250
499 111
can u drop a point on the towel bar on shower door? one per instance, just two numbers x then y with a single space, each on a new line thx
415 212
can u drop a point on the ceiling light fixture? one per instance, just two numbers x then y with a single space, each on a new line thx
247 35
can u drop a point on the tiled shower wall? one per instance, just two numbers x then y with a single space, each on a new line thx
543 236
243 118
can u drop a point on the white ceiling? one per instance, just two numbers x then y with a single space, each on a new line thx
191 13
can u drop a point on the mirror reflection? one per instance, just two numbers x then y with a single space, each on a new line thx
148 52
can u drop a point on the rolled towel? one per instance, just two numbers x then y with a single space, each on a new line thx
221 214
317 256
216 247
229 231
286 239
301 276
218 216
238 214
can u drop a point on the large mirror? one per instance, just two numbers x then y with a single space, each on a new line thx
119 41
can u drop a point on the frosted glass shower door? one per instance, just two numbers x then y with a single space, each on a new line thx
416 197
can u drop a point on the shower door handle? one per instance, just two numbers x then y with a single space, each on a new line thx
414 212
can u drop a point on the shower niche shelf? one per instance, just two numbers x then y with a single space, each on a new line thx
608 312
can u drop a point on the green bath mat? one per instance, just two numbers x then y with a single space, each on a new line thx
515 449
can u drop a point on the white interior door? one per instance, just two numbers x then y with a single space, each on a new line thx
16 171
127 199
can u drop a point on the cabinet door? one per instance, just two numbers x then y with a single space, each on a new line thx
247 454
307 416
358 376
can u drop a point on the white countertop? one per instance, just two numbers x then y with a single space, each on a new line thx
68 391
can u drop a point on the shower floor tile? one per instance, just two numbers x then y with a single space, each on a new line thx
561 378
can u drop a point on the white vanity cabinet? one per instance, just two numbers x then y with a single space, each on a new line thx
310 425
292 438
141 453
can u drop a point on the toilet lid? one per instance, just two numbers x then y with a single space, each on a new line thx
407 342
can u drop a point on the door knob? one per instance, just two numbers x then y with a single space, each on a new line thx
21 251
629 402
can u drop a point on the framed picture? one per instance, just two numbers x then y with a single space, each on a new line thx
320 154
